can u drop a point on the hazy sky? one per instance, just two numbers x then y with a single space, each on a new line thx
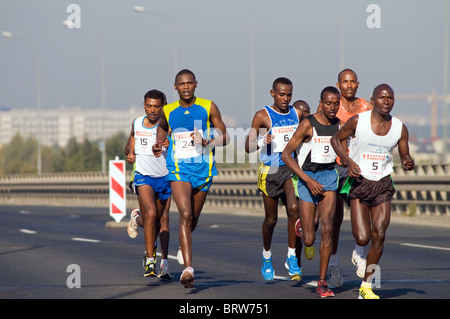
293 38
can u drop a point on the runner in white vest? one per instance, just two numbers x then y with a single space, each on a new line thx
369 186
151 184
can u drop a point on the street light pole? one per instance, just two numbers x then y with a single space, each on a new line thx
252 60
445 158
140 9
7 34
103 77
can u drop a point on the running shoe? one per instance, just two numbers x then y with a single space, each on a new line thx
295 271
150 270
164 270
133 228
365 292
298 228
360 262
267 270
187 277
323 290
336 279
180 256
310 252
144 261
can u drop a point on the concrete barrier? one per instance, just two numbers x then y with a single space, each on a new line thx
424 191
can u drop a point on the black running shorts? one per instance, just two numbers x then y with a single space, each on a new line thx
370 193
271 179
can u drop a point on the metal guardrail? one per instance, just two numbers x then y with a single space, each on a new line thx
424 191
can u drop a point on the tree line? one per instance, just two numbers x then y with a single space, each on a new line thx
20 155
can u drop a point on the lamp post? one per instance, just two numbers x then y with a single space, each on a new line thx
140 9
252 59
445 158
69 24
7 34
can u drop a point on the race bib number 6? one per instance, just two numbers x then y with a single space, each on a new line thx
281 136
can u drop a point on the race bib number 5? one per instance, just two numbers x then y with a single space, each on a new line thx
372 163
281 136
185 146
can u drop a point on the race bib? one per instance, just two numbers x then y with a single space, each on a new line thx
185 146
321 151
281 136
144 142
372 164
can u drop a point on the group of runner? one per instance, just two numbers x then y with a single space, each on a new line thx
312 163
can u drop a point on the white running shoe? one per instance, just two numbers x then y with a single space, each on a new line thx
164 270
360 262
187 277
336 280
133 228
180 256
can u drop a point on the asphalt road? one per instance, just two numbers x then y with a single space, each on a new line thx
45 250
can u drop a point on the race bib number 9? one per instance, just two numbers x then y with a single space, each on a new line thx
372 164
281 136
185 146
322 152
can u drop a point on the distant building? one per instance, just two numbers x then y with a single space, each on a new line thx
59 125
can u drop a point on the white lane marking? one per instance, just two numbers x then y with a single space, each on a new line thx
169 256
310 283
28 231
24 212
425 246
86 240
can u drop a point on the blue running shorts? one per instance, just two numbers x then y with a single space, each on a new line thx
329 178
201 183
160 185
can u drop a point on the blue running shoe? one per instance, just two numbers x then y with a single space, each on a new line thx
294 270
267 270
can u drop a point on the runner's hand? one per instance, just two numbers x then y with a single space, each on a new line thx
131 158
157 149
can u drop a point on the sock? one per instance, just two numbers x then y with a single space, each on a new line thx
366 284
334 260
359 250
291 252
149 260
267 254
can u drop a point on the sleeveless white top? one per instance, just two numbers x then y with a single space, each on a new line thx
144 139
373 153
